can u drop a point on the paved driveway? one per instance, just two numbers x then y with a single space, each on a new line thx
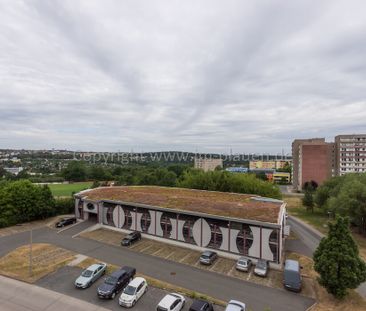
63 282
20 296
257 297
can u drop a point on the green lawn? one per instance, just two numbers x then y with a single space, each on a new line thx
317 219
64 190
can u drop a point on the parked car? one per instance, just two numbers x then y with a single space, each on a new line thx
90 275
208 257
171 302
131 238
65 222
133 292
261 268
201 305
235 305
115 282
292 275
243 264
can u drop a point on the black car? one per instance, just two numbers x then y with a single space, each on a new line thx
131 238
65 222
201 305
116 282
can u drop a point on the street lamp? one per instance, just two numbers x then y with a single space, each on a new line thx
30 252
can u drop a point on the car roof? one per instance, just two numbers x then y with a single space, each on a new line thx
94 266
118 273
292 265
235 305
136 281
127 268
208 252
168 300
198 304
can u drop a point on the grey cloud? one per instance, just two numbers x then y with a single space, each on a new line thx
207 75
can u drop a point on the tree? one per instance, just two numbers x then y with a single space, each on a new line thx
75 171
22 201
308 200
345 195
337 260
228 182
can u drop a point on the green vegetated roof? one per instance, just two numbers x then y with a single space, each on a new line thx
225 204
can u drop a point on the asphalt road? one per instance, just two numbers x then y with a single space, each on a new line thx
308 240
63 282
20 296
257 297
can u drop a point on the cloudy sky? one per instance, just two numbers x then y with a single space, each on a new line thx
180 75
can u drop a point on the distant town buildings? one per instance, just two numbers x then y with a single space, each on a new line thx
350 154
13 170
237 169
276 164
207 164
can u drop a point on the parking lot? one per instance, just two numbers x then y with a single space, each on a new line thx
62 281
190 257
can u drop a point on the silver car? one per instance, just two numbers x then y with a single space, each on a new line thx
243 264
90 275
261 268
235 305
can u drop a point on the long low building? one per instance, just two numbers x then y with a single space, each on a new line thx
238 224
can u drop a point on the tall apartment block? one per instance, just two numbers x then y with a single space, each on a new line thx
312 160
350 154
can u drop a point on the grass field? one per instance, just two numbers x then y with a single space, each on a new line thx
46 259
65 190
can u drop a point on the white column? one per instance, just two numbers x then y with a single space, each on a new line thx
266 250
254 250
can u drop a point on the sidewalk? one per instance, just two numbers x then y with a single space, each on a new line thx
19 296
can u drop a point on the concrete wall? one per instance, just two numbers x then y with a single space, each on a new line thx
200 229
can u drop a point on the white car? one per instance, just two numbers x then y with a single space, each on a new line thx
171 302
90 275
133 292
235 305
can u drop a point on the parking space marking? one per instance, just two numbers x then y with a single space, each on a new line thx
249 275
230 273
169 255
146 248
185 257
215 264
157 251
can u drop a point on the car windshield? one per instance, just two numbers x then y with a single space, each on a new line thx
87 273
111 280
205 256
129 290
261 264
243 262
161 309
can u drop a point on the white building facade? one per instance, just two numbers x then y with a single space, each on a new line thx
234 236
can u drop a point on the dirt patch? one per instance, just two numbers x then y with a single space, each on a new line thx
46 259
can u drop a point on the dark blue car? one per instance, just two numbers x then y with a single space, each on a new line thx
116 282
